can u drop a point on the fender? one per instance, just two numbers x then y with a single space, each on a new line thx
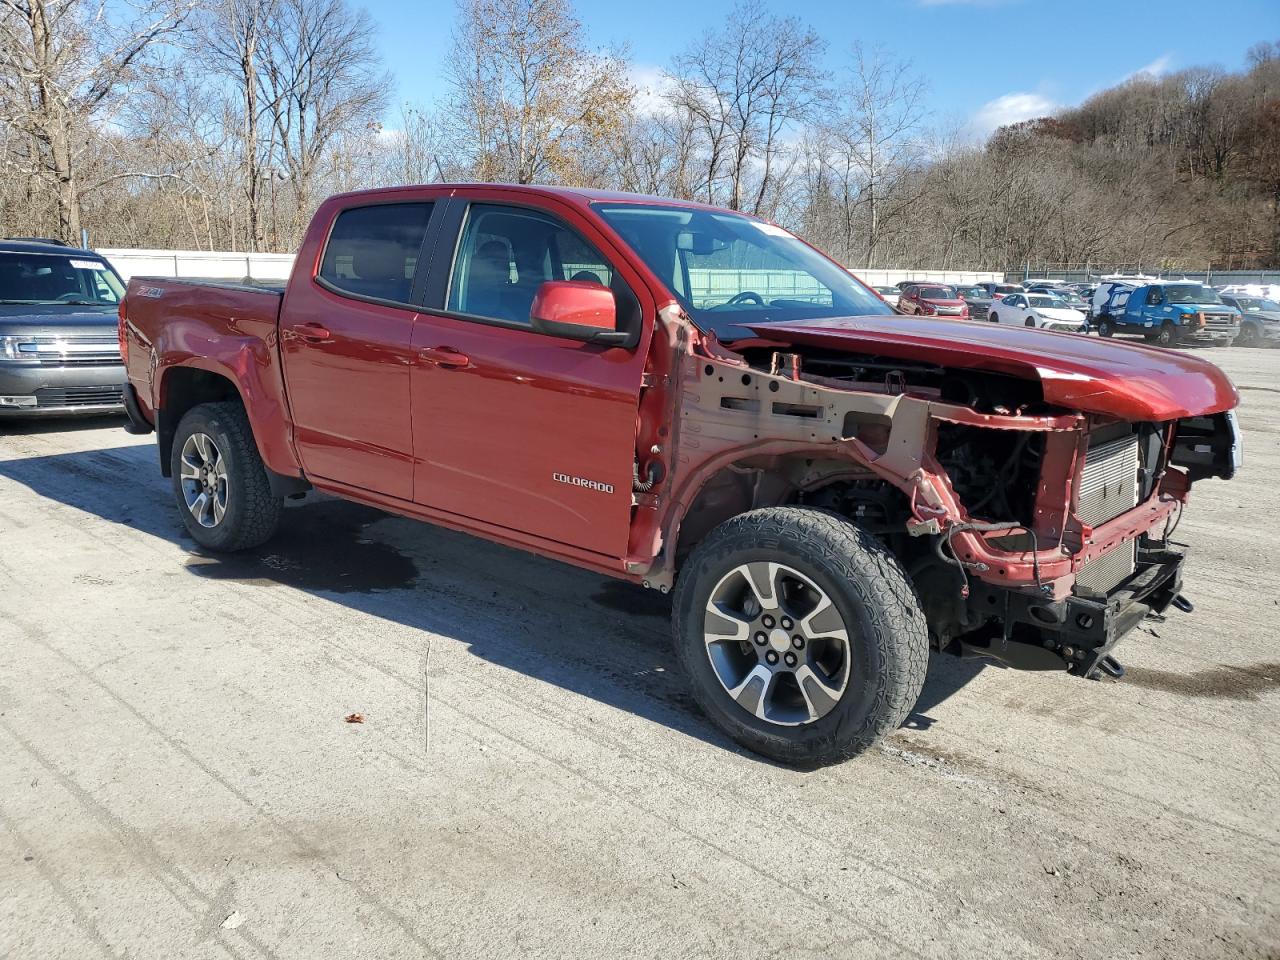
245 352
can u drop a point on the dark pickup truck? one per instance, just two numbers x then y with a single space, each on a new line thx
694 400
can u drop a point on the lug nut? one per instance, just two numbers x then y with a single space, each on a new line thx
790 658
772 657
767 621
761 639
786 623
798 642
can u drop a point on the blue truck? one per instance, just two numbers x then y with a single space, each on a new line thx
1166 312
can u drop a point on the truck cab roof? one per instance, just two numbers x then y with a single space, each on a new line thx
32 245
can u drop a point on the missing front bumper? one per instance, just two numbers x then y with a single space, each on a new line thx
1079 631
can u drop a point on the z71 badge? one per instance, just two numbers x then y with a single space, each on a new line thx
582 482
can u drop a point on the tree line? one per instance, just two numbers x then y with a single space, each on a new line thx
220 124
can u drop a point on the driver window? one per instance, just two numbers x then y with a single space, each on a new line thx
506 253
727 269
1153 296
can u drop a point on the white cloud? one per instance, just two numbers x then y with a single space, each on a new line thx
1011 108
651 84
1157 67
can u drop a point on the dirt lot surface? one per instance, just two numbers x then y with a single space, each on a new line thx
530 779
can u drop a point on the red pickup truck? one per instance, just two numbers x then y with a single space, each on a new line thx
693 399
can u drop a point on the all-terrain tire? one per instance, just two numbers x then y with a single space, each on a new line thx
252 512
888 644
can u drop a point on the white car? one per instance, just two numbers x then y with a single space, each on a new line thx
1037 310
890 295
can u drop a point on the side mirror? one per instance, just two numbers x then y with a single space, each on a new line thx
576 310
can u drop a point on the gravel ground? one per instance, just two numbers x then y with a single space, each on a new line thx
531 779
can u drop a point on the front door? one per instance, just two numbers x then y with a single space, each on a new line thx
527 431
346 344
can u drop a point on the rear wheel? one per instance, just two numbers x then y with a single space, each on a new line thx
219 480
801 635
1106 328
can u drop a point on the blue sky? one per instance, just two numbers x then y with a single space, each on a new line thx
986 61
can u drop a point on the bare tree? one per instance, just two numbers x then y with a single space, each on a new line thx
742 87
875 143
61 64
230 43
320 77
530 101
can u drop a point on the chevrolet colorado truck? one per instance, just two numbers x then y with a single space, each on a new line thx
694 400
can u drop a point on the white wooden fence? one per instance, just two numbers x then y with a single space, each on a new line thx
200 263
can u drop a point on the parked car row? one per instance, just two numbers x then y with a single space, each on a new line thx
1163 312
994 302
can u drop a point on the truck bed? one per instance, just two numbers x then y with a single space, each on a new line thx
222 327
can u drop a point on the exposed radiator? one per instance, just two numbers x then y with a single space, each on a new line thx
1108 487
1109 481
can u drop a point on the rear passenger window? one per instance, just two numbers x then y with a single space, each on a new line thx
373 251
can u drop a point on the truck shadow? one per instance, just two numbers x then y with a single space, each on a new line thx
594 636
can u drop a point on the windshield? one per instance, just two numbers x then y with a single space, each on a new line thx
888 291
1190 293
726 269
1257 304
57 278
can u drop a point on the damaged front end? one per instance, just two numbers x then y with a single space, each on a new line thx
1036 534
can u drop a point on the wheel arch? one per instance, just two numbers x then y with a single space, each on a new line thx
181 387
751 482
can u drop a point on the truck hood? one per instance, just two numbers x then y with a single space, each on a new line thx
1126 381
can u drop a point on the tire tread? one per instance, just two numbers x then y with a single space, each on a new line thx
898 628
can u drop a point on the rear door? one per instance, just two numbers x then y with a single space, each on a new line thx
346 335
1011 308
522 430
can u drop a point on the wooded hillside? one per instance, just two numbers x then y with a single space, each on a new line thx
220 124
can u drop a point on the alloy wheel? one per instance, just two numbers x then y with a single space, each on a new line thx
203 473
777 643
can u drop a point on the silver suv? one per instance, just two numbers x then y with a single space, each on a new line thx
59 352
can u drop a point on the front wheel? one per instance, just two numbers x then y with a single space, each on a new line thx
993 318
802 637
1167 336
219 480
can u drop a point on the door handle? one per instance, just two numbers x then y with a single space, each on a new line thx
444 357
312 332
